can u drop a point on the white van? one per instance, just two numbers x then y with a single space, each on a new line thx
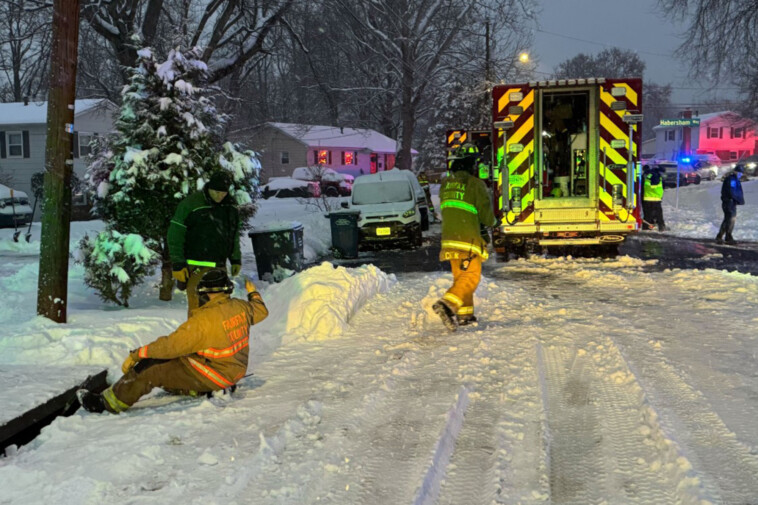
391 207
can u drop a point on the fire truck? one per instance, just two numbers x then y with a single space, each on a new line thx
566 164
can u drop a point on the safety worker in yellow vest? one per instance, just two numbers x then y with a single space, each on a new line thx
652 194
209 352
204 234
466 210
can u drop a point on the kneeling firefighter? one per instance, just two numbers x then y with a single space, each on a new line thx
466 213
207 353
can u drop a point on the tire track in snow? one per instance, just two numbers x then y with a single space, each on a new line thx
728 468
490 465
604 440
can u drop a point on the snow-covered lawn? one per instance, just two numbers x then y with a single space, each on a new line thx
586 381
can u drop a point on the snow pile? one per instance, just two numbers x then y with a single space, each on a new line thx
699 213
317 304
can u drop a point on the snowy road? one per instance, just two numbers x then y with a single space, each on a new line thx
586 381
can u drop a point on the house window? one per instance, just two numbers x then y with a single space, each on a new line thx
738 133
348 158
670 135
732 155
713 133
323 157
285 157
15 142
84 144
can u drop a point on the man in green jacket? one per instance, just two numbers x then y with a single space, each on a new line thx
204 234
466 211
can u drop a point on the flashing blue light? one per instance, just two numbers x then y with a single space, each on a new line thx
686 159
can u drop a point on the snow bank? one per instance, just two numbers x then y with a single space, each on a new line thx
317 304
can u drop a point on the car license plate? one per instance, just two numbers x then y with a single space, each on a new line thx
383 232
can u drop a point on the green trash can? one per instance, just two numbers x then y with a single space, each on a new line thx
345 233
278 249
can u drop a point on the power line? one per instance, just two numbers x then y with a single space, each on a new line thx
604 44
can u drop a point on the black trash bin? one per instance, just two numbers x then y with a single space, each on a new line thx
345 233
278 250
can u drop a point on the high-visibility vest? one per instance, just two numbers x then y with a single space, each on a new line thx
653 192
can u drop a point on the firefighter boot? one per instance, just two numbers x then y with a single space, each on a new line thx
466 320
446 314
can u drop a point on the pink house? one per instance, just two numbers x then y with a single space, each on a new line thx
356 151
725 134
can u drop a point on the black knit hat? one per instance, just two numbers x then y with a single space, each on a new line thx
215 281
220 181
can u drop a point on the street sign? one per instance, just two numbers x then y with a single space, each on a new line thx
633 118
686 121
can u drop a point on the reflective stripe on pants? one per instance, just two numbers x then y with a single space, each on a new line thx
172 375
465 282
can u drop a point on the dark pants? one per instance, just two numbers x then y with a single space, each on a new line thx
172 375
653 212
730 218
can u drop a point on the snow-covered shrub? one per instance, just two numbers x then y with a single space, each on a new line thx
167 143
114 264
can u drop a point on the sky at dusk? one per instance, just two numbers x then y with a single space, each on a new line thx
565 28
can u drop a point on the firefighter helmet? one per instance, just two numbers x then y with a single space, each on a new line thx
464 151
215 280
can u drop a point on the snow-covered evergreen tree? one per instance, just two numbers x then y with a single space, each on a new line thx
167 143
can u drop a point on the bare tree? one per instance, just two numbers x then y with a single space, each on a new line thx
409 41
231 32
25 39
720 43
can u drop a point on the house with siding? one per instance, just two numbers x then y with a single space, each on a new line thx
23 136
356 151
725 134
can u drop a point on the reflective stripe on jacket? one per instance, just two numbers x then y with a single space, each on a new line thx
465 205
214 342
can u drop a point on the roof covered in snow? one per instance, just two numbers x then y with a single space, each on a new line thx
36 112
332 136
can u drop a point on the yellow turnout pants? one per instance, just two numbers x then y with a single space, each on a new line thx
461 295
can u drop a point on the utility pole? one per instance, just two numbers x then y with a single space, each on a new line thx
52 287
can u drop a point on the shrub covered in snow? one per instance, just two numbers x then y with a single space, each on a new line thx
115 263
167 144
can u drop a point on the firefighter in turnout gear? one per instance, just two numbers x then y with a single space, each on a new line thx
652 194
204 234
207 353
466 211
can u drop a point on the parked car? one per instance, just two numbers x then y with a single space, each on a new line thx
14 208
751 165
332 182
686 175
390 209
287 187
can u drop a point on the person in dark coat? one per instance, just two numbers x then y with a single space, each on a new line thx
204 234
731 197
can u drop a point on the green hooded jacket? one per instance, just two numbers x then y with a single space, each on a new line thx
204 233
466 207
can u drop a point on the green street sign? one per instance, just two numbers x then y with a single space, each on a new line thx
689 121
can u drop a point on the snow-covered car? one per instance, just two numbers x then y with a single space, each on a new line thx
287 187
389 208
332 182
14 208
